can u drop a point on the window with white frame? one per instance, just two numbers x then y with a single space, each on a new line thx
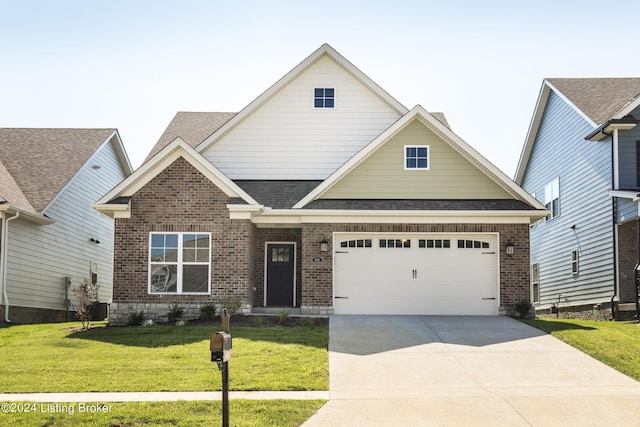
535 282
179 263
575 260
552 198
416 157
324 97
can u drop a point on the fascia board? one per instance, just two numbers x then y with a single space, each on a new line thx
29 216
627 109
176 149
296 216
446 135
632 195
121 152
325 49
532 132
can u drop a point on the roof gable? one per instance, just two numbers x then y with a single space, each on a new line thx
165 157
191 127
446 136
42 161
595 99
324 51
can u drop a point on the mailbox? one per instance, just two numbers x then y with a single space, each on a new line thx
220 347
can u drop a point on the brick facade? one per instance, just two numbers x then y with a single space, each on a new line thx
181 199
627 259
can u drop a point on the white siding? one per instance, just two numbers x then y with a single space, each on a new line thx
287 138
40 257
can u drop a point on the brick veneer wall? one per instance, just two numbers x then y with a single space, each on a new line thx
627 259
180 199
317 277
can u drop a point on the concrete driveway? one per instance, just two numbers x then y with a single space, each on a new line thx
466 371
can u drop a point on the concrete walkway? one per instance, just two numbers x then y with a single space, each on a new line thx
462 371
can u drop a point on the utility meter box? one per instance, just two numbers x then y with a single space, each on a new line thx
220 345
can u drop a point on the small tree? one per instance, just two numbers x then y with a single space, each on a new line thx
87 294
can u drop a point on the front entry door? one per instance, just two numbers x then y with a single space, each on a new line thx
280 277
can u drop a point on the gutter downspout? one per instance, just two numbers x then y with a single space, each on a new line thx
614 173
3 261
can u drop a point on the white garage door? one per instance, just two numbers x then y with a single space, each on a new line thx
443 274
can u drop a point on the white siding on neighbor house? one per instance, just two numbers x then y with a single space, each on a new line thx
287 138
584 169
40 256
383 175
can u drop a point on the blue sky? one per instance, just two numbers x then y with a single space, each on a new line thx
131 64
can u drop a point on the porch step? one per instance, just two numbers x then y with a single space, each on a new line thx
274 310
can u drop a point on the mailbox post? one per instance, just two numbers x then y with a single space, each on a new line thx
220 345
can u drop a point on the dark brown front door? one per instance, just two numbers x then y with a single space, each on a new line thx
280 274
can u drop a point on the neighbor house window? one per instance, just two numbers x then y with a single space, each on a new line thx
324 97
416 157
552 198
179 263
574 262
535 282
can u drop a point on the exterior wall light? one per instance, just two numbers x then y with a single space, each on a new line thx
510 249
324 246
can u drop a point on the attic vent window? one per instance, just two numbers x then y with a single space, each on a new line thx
416 157
324 97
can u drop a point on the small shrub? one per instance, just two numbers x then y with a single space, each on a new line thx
136 318
284 316
208 311
175 313
523 308
307 322
231 304
87 294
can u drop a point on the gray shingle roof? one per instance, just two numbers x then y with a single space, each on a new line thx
277 194
599 98
406 204
192 127
36 163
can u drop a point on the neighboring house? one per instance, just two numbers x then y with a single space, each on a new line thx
323 195
48 180
581 159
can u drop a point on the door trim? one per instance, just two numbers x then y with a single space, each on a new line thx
295 262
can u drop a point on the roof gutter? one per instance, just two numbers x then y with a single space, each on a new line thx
3 260
607 128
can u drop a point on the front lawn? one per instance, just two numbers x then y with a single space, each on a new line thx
59 358
616 344
144 414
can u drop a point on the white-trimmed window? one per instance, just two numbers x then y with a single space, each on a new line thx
535 282
416 157
324 97
575 261
552 198
179 263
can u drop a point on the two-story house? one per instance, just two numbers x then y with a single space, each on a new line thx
581 160
323 195
51 240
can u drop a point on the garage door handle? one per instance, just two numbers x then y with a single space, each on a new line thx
341 297
488 253
485 299
342 252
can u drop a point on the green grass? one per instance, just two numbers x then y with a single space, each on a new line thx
616 344
139 414
58 358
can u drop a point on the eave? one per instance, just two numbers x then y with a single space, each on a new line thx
33 217
607 128
266 216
